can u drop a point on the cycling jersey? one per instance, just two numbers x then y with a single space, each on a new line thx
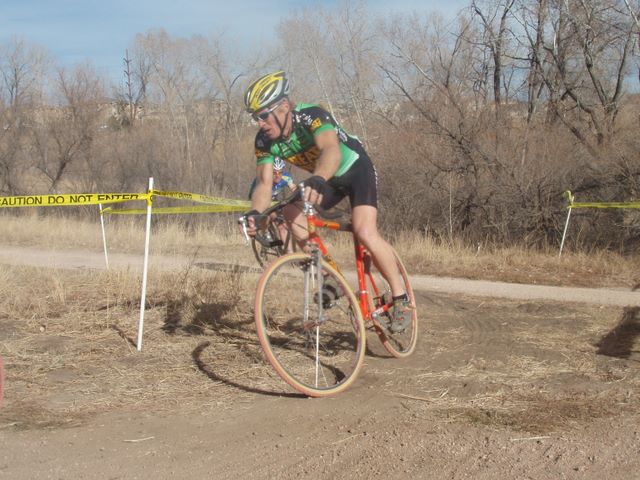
300 148
277 189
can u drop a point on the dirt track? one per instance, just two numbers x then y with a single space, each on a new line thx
504 384
87 259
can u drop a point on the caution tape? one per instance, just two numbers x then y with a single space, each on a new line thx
215 204
170 210
569 196
71 199
196 197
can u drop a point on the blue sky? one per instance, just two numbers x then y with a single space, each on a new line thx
100 31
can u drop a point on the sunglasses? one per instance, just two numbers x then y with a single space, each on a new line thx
265 113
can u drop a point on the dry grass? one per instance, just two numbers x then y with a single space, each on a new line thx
206 238
68 338
518 265
170 234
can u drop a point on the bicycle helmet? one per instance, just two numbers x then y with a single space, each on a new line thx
278 164
266 90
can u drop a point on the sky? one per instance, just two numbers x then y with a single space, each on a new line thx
100 31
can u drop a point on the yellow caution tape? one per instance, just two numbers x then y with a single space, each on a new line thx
216 204
73 199
569 196
196 197
166 210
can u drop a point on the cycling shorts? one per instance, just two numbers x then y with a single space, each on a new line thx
359 183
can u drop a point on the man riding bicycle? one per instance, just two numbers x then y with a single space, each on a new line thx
308 136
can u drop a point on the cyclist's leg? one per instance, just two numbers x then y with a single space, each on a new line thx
296 223
361 183
294 217
364 219
284 232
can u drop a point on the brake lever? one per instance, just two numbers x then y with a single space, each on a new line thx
244 227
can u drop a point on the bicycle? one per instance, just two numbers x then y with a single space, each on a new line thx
268 243
311 324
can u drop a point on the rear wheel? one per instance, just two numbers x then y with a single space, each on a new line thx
314 337
398 344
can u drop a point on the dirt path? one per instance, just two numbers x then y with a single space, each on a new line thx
508 381
87 259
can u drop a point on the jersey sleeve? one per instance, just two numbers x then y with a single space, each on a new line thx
317 119
263 150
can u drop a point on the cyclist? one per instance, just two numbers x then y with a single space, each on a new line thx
281 182
308 136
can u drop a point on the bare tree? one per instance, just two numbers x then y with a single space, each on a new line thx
63 136
22 69
354 45
589 46
309 52
495 25
131 99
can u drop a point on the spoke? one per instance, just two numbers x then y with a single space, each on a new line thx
317 352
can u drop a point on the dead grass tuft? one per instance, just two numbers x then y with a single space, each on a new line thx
68 340
519 265
170 235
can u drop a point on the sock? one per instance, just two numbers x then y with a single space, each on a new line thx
401 298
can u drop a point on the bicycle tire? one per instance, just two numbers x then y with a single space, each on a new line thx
1 381
316 358
265 254
400 344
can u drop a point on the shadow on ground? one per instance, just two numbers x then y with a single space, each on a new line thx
619 342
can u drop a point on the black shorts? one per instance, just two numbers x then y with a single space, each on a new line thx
359 183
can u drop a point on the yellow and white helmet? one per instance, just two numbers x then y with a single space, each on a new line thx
266 90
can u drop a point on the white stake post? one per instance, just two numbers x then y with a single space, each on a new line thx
564 234
145 267
104 237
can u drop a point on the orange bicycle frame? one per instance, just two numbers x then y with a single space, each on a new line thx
363 259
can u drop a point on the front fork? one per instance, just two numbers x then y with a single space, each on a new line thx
313 282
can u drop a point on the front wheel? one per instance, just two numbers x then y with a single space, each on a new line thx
309 325
399 344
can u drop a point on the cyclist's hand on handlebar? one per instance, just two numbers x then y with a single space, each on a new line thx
316 187
248 222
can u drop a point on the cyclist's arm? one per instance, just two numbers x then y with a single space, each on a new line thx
330 156
261 198
289 181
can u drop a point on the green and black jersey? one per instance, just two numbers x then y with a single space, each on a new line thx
300 149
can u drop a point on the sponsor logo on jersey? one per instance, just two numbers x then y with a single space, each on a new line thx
316 124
